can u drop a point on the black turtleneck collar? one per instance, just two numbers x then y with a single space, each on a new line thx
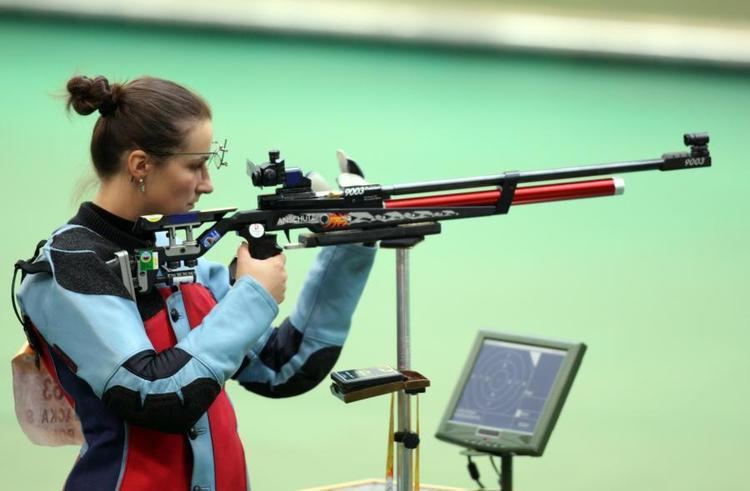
111 227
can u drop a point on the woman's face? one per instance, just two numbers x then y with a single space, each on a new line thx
177 184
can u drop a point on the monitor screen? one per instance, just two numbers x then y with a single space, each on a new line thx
508 386
510 393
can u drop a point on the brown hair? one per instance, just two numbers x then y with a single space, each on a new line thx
147 113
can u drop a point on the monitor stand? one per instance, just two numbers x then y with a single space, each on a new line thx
506 472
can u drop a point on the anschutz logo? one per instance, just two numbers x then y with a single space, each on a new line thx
695 162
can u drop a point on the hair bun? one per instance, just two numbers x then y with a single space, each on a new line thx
87 95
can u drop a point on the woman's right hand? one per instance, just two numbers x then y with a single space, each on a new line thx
270 273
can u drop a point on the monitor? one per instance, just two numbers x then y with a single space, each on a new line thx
510 393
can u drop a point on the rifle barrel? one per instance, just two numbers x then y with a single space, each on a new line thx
525 176
523 195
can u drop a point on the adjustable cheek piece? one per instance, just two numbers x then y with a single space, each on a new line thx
169 265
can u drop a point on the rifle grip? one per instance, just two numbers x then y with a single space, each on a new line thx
263 247
260 248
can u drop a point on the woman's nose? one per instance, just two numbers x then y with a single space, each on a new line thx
205 186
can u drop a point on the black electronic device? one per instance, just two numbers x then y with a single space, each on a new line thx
362 378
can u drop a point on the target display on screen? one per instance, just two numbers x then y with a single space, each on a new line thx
508 386
510 393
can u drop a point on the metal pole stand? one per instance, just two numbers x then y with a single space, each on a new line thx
407 441
506 472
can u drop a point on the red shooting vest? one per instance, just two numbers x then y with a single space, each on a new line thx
164 461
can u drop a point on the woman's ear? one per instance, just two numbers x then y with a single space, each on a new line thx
138 164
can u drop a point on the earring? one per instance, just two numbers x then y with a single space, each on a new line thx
141 185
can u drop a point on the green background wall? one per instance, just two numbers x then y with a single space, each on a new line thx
655 281
725 11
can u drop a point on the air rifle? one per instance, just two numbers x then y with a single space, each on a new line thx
369 212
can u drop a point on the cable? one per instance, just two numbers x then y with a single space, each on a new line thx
494 466
13 296
474 472
26 266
